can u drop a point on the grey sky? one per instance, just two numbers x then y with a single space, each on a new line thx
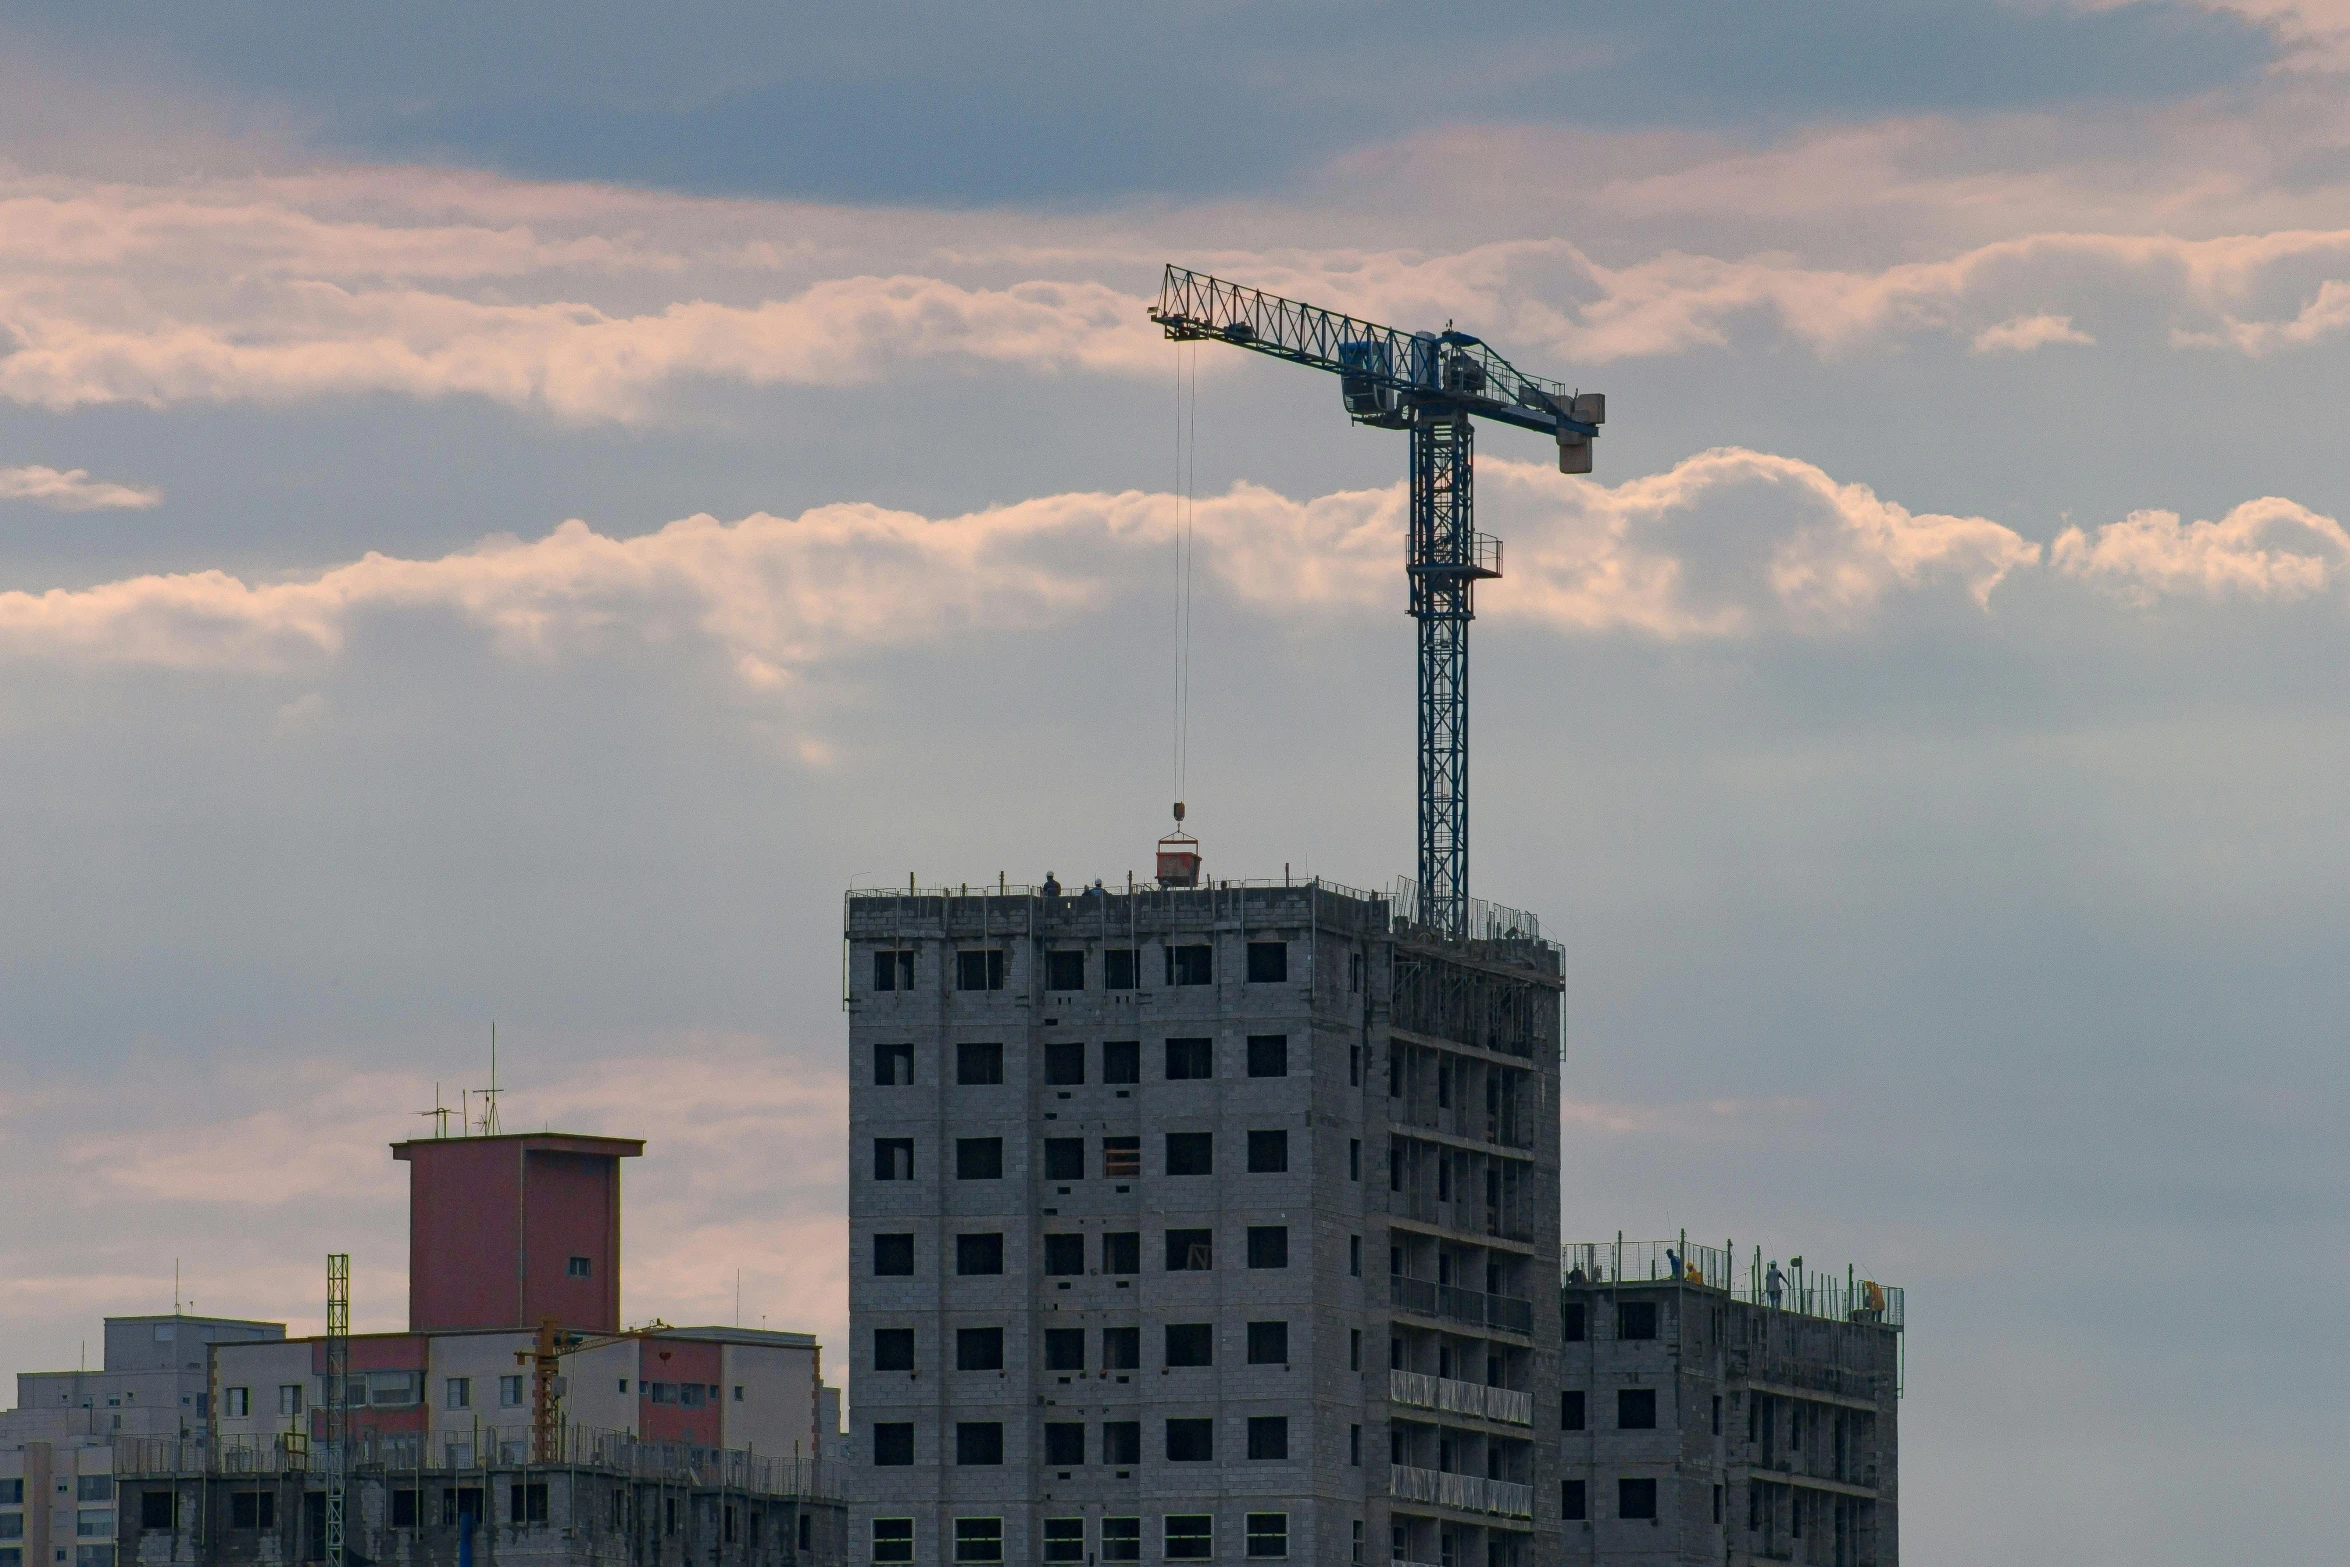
1943 890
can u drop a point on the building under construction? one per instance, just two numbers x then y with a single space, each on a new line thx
516 1419
1206 1222
1714 1411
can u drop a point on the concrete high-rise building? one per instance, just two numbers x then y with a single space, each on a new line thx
1718 1413
1210 1223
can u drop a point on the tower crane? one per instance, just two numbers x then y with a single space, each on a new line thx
1431 384
545 1358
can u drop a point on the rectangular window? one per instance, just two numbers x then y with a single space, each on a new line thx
1576 1330
980 970
1354 1349
1122 1061
978 1254
1190 1537
1717 1414
1354 1158
1064 1443
12 1486
1191 1251
93 1523
1064 971
1191 1153
893 1158
1636 1409
236 1401
1121 1442
1122 1251
893 1349
1574 1506
155 1509
662 1392
1064 1539
1191 1441
1064 1255
1268 964
893 1066
1636 1319
1717 1504
510 1392
1119 970
1064 1349
979 1065
893 1444
1191 965
690 1394
1121 1349
1571 1410
979 1158
979 1442
1064 1063
526 1502
1188 1059
1268 1055
1268 1343
1268 1152
1122 1537
1268 1245
893 1541
579 1268
1354 1256
1268 1436
252 1510
893 1256
1268 1535
979 1539
459 1393
1121 1158
404 1509
289 1398
1635 1498
892 970
1191 1344
1064 1158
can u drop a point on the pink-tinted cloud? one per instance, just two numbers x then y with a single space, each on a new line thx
1730 542
72 489
2269 548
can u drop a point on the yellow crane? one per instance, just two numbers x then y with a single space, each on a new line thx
545 1358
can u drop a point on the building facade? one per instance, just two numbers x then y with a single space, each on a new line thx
1710 1413
1214 1223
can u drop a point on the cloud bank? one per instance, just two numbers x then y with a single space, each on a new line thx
72 489
591 305
1727 543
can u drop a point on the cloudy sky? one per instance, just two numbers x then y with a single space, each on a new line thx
506 521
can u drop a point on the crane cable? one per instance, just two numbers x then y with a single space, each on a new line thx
1186 467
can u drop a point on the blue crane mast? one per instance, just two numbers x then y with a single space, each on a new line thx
1431 384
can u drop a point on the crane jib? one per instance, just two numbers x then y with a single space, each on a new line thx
1435 385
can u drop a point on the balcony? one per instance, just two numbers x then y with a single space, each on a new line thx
1468 1493
1447 1396
1473 1307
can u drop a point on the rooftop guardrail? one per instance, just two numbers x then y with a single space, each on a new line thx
1760 1282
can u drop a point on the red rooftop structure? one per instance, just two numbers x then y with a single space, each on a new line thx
507 1230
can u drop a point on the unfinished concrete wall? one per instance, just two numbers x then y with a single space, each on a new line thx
1173 1108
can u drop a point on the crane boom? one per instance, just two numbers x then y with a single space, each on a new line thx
1432 384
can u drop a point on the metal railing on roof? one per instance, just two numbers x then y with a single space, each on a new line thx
1806 1292
1487 921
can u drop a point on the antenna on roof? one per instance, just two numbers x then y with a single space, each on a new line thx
489 1095
439 1112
